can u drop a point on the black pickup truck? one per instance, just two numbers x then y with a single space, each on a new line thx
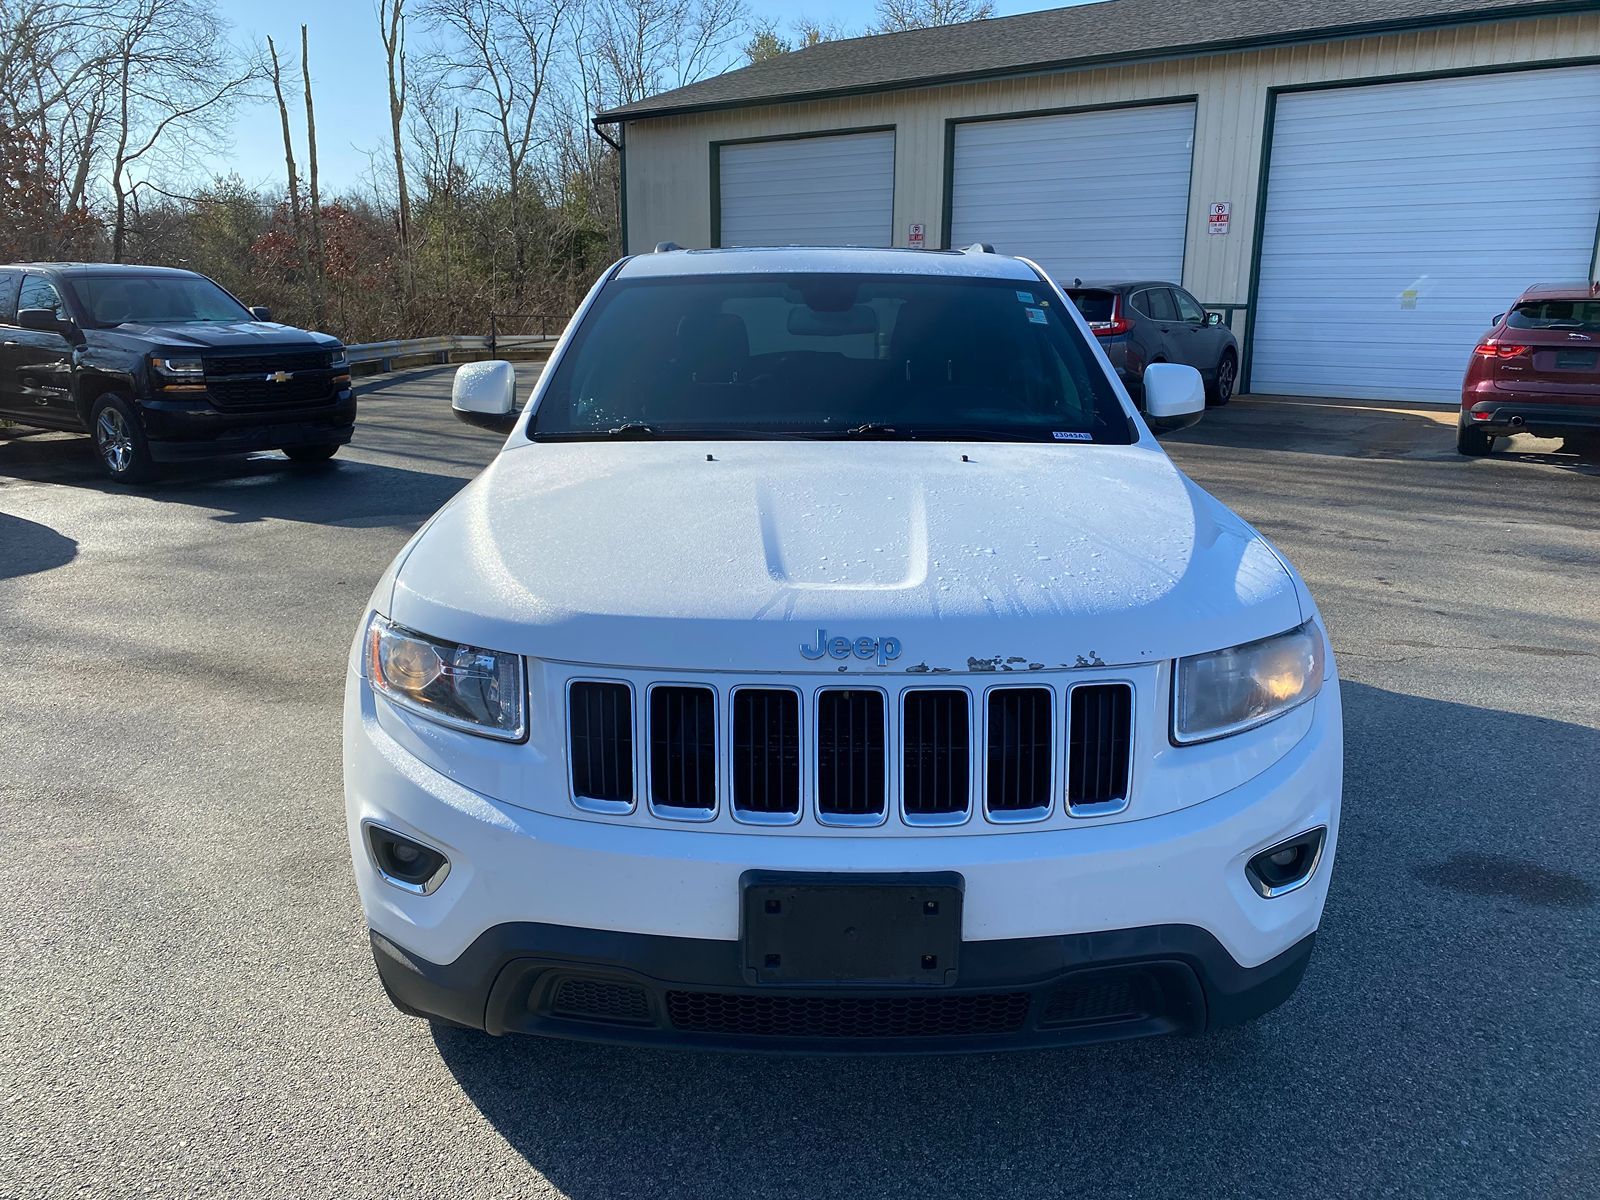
160 365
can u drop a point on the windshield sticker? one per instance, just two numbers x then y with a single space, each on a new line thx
1025 297
1073 437
1035 315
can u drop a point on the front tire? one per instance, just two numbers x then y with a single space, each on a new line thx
311 454
1473 442
1220 390
119 442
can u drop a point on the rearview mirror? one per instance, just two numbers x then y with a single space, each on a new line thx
261 312
485 395
1174 396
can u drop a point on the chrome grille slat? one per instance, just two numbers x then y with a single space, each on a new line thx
600 719
936 736
1099 741
1020 750
766 753
683 749
852 767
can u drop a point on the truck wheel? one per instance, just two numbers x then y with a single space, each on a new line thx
311 454
119 441
1474 442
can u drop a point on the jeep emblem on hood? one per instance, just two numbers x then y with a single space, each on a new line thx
885 650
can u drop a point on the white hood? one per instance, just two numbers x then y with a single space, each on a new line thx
652 554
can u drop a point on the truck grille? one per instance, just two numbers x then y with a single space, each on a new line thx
683 748
1020 743
601 719
854 755
244 381
938 750
766 752
851 784
1100 736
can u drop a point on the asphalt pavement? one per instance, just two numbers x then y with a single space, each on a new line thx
187 1002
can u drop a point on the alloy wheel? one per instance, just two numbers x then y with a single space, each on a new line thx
115 440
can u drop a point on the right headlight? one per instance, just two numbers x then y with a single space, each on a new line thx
1229 691
465 687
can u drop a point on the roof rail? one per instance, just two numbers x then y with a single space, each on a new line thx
978 248
667 247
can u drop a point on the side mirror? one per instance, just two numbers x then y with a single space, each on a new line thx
1174 397
485 395
44 320
261 312
1213 318
1497 318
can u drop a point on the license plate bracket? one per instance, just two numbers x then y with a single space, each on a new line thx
1575 360
851 930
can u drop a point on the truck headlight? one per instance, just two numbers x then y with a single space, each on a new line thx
464 687
178 368
1229 691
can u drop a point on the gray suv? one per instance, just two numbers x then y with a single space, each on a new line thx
1149 322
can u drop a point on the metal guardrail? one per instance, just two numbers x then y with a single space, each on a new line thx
441 348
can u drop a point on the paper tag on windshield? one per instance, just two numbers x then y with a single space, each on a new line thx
1073 437
1036 315
1026 297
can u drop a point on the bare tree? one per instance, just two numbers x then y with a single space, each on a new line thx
391 25
319 248
896 16
288 150
499 54
171 73
645 46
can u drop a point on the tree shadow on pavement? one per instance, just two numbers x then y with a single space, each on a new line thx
1442 1043
27 548
348 491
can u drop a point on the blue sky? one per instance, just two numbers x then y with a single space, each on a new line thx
347 71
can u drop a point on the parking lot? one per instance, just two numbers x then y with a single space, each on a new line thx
189 1004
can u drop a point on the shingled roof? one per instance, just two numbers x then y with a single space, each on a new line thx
1061 39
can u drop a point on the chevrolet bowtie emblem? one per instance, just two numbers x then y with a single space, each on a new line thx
280 377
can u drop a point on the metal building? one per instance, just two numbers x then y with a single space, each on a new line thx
1358 185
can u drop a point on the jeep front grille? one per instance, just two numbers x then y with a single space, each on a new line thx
1021 737
766 753
683 748
1100 734
926 753
937 744
851 781
601 719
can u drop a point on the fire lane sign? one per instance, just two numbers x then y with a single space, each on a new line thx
1221 215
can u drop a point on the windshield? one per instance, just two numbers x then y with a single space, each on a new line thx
155 300
1555 314
830 355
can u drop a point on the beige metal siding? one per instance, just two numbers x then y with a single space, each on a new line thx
669 171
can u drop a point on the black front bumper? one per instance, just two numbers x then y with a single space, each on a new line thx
1507 417
189 429
599 985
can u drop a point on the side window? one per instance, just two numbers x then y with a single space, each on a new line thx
8 296
37 292
1188 307
1140 303
1158 303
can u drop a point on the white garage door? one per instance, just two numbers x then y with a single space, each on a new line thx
815 191
1097 195
1401 217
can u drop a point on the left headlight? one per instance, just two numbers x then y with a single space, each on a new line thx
339 360
1229 691
464 687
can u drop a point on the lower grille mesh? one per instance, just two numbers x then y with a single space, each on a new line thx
601 1000
847 1016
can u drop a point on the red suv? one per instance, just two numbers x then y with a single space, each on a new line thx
1537 371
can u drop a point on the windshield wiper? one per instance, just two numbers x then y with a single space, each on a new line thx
634 429
873 429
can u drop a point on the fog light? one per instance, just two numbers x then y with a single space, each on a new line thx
407 864
1289 865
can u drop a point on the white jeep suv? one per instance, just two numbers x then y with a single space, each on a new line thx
833 660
